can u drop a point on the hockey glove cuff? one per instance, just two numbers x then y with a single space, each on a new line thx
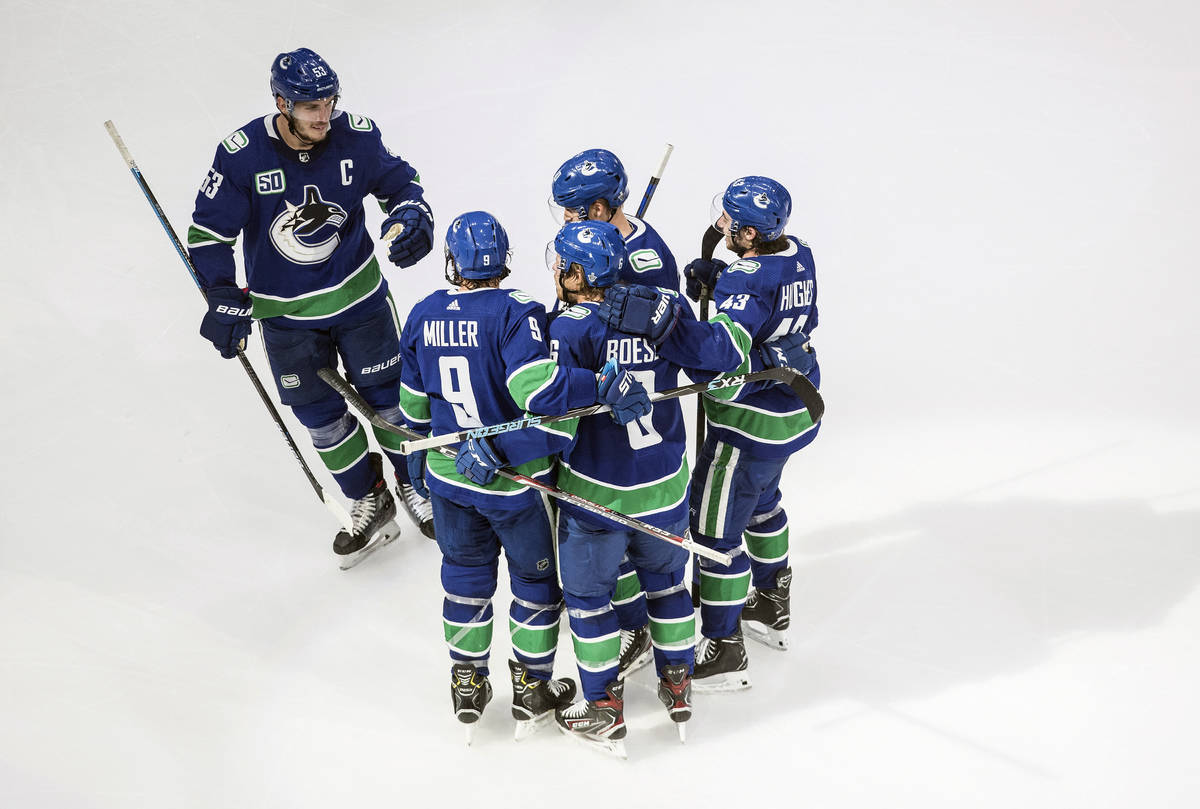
227 323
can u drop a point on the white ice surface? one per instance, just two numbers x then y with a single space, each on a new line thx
995 537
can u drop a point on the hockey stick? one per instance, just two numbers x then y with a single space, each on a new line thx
708 244
650 189
356 401
792 379
333 505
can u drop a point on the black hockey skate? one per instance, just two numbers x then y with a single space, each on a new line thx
534 700
419 510
767 614
675 692
721 664
372 521
470 692
599 724
635 650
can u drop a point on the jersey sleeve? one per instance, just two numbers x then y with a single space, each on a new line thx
718 345
414 401
395 180
222 211
534 380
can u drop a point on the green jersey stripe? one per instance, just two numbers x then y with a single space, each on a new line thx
638 500
198 236
322 303
529 380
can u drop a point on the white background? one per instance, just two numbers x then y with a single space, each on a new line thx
995 537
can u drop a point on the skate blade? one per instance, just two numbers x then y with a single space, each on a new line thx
383 537
469 733
722 683
611 747
776 639
527 727
682 728
638 662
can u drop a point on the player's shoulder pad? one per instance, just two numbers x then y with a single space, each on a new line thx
357 123
574 313
746 265
240 140
645 259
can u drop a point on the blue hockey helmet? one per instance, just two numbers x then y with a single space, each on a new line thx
597 247
588 176
478 246
302 75
758 202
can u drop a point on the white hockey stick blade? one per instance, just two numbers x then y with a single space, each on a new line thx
383 537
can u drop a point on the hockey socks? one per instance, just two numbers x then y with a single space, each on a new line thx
596 636
723 590
672 619
533 623
767 545
467 616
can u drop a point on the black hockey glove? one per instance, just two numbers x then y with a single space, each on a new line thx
791 350
416 472
410 229
227 323
623 393
702 272
478 461
645 311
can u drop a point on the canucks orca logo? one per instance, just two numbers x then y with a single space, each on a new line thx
301 232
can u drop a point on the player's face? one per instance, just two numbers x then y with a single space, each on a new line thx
735 242
311 118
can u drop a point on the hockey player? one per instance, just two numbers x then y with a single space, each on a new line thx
292 183
767 305
593 185
639 469
477 355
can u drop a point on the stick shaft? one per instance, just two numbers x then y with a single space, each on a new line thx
330 503
648 194
358 403
778 374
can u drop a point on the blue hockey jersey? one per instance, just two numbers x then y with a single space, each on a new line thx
650 262
480 357
309 260
758 300
641 468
